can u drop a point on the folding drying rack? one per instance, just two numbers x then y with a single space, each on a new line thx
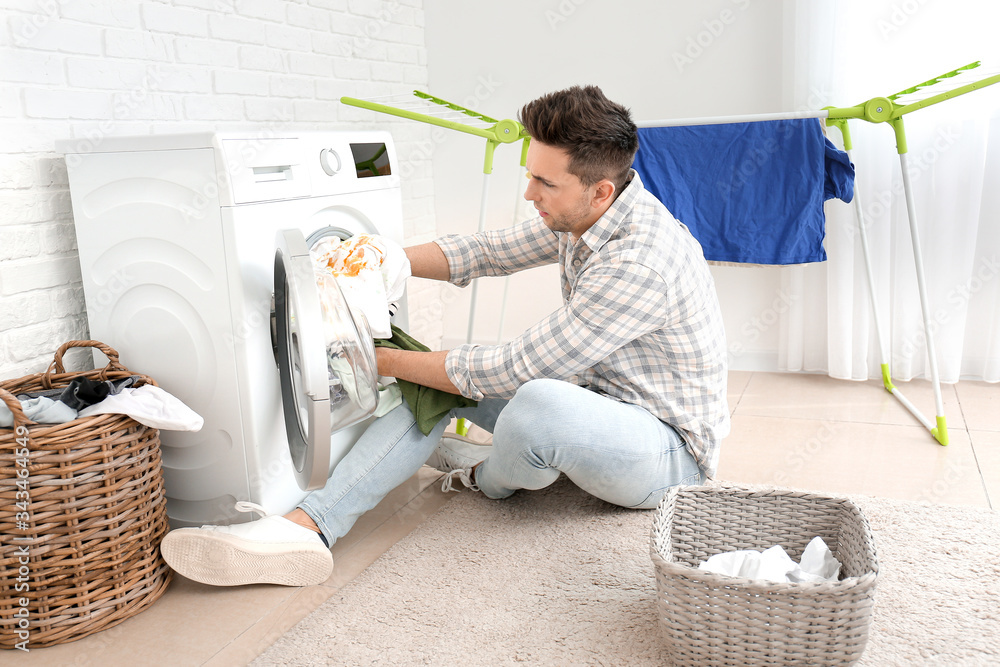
891 110
436 111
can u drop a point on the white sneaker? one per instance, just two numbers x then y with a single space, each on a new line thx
272 550
457 455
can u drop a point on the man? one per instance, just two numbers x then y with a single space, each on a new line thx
622 389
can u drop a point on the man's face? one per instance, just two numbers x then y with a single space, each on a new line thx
560 198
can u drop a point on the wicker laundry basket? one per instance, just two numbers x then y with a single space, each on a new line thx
712 619
82 514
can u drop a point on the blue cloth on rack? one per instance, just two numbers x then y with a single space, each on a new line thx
749 192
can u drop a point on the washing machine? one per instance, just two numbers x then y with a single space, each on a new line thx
194 250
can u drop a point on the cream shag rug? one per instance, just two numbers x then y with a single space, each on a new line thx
557 577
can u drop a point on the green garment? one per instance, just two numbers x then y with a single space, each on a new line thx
428 405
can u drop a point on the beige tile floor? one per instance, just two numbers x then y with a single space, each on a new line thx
801 431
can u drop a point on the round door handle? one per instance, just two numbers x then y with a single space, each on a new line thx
330 161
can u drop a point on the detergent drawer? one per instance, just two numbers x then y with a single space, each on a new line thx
266 169
326 359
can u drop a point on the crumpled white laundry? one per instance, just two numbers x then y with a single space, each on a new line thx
817 564
149 405
371 271
389 398
40 409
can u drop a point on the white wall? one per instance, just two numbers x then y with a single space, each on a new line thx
664 59
105 67
98 68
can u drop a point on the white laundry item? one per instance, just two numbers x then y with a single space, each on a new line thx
395 270
389 398
351 398
40 409
343 384
337 331
371 271
149 405
817 563
774 564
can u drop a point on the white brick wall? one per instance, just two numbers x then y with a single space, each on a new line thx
104 67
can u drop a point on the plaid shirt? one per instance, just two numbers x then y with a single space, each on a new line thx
640 320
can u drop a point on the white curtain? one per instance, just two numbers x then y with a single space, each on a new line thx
840 54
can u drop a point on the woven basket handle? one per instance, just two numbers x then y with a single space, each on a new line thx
15 408
112 355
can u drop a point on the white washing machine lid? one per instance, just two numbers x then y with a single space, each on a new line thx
325 356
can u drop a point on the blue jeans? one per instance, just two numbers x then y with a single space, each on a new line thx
616 451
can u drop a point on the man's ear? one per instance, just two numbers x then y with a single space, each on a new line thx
604 194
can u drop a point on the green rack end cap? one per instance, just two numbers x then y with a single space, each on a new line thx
941 432
887 378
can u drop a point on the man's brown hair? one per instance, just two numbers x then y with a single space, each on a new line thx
597 134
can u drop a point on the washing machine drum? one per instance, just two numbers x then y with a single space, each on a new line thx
325 356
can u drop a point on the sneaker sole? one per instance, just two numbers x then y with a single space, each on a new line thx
225 560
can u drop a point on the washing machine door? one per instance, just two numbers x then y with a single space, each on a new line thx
325 356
